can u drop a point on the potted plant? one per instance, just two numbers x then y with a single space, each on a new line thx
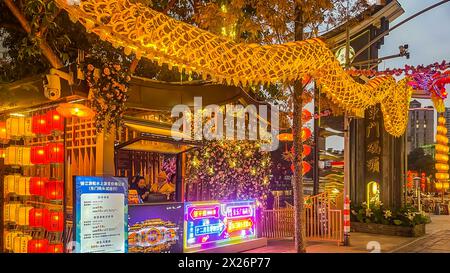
375 218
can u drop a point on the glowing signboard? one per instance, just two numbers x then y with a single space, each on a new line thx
214 223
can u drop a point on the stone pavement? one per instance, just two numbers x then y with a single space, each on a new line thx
437 239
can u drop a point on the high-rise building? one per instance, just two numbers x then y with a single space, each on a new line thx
420 125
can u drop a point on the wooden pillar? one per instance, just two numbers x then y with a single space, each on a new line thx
104 154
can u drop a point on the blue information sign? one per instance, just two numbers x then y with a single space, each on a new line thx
100 209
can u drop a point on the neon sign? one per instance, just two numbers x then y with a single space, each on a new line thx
241 224
239 211
209 224
204 212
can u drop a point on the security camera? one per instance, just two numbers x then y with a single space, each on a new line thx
52 87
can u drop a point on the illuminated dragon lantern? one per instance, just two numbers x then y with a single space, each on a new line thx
153 35
433 82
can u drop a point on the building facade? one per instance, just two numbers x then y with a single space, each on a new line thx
420 125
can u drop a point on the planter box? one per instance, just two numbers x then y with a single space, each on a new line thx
416 231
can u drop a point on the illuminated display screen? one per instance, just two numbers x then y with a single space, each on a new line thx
155 228
208 224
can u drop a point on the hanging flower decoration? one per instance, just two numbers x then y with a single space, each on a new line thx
234 170
108 94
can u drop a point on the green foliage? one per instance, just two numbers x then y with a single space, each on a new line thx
421 162
378 214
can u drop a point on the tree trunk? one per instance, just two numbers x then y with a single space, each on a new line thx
46 50
299 216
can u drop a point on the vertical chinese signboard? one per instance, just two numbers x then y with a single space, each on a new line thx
211 224
373 141
100 211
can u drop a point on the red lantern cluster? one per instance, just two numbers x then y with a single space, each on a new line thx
52 221
47 154
47 123
423 182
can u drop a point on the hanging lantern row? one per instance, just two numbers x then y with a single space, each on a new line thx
52 221
40 124
52 153
19 242
34 186
47 123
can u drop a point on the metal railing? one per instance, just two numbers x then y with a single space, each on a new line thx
321 222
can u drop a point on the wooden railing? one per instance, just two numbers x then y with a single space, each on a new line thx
321 222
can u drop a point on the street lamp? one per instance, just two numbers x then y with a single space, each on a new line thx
417 190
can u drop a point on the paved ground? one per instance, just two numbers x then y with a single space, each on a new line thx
437 239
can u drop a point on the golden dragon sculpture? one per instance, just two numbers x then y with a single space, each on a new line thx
148 33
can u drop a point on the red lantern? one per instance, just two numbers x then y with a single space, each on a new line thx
37 246
54 190
306 133
56 153
37 217
39 125
306 116
55 121
37 186
54 221
39 155
306 167
55 248
306 150
2 130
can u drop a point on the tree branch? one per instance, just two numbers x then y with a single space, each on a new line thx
44 28
46 50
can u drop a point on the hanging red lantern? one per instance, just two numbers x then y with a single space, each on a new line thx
39 125
54 190
306 167
55 248
37 217
37 186
55 153
55 121
306 133
54 221
37 246
306 116
2 130
306 150
39 155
